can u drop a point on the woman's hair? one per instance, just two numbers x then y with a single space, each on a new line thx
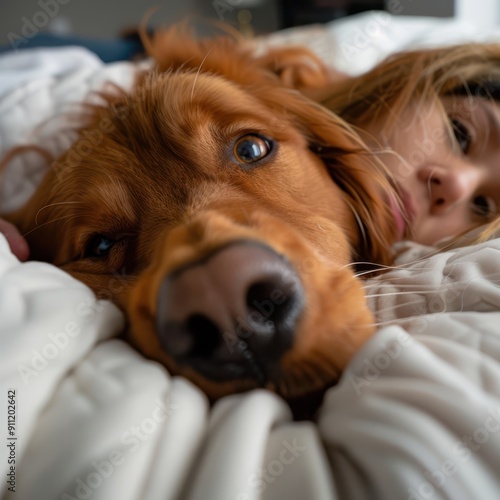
416 77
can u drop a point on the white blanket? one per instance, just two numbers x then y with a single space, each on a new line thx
415 416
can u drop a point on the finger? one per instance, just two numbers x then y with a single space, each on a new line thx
17 243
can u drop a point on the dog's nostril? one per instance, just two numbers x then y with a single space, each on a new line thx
203 334
268 304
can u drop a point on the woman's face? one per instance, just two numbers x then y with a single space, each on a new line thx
447 183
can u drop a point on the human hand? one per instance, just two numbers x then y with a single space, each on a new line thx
16 241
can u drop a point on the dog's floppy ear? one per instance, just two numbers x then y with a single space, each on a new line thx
297 67
238 59
351 164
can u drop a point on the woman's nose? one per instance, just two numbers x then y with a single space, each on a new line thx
448 186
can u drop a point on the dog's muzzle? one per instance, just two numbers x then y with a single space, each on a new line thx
232 314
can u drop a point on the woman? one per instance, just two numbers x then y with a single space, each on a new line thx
435 118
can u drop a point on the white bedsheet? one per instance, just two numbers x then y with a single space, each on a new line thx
415 416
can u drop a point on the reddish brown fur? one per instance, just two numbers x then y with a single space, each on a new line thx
163 177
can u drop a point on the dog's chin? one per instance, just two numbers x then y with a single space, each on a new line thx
306 407
304 402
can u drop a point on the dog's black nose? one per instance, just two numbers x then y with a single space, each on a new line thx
232 314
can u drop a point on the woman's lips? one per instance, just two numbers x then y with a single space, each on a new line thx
403 209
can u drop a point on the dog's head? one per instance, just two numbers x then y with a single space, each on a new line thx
221 210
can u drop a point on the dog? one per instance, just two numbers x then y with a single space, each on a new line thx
223 212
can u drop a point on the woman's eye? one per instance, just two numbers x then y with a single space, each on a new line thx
484 206
251 148
462 135
98 246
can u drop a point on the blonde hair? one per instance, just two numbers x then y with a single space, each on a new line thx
413 76
416 77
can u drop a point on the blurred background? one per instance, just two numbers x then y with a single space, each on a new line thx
109 18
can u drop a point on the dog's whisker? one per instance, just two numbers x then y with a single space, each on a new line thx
359 222
394 307
53 205
68 216
389 294
384 323
199 69
380 268
418 288
393 279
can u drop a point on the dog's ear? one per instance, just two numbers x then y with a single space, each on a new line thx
238 59
297 67
351 164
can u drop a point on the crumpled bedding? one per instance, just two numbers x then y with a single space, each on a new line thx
415 416
41 91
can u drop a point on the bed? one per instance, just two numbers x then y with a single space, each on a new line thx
415 416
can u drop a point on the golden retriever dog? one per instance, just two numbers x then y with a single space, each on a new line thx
223 212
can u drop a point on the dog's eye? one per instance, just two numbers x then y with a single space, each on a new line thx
251 148
98 246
